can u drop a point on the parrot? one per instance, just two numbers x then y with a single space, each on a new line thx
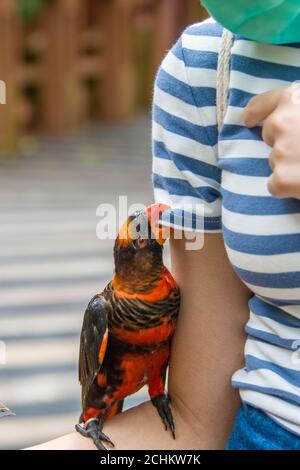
127 329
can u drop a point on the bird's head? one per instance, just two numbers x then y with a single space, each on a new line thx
139 246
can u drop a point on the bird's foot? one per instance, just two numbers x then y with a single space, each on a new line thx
162 404
93 429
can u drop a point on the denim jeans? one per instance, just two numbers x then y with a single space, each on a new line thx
254 430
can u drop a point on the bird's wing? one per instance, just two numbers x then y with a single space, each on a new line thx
93 340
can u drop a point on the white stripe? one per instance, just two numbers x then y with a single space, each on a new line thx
207 115
201 77
198 24
174 67
291 426
270 264
266 325
268 352
245 185
201 43
243 148
168 169
274 293
265 378
180 202
192 76
183 110
234 115
275 407
281 224
293 310
184 145
282 55
210 19
254 85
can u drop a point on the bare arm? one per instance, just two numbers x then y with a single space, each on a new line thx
207 349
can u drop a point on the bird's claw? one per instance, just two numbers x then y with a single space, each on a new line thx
162 404
93 429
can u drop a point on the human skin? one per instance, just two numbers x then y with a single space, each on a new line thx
207 348
279 113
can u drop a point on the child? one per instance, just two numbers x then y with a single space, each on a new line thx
228 171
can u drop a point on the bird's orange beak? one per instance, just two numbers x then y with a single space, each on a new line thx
154 213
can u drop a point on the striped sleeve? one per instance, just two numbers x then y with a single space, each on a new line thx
184 132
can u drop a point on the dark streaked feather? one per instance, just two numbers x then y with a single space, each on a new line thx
92 334
137 313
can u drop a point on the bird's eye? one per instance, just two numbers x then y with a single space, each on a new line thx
141 242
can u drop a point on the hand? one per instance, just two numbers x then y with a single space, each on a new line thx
279 112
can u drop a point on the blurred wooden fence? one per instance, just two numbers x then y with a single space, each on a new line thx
82 59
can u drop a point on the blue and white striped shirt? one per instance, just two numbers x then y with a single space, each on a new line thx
228 173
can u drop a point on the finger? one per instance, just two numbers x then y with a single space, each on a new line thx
273 187
271 161
279 184
268 130
261 106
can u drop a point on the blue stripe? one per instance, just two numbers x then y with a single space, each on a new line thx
213 223
200 96
238 37
197 59
204 135
184 163
294 45
238 132
262 309
245 166
174 87
187 220
239 98
263 69
287 396
290 375
280 302
259 205
181 187
181 218
283 280
262 245
270 338
204 96
205 29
